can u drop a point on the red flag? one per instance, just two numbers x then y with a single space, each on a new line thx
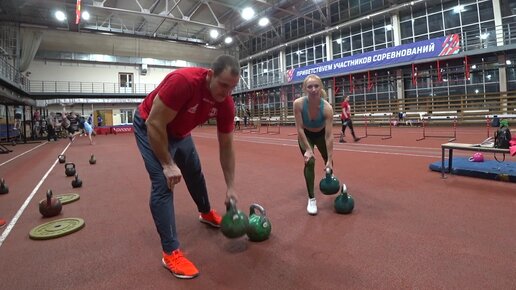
439 75
466 67
369 82
78 12
414 74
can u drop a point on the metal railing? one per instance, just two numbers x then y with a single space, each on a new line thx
75 87
9 73
471 41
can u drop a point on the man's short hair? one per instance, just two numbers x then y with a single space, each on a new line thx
223 62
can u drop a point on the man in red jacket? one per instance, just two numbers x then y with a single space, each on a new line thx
345 117
186 98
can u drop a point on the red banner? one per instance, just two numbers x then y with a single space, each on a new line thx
78 12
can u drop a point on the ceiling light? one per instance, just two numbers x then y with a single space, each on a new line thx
458 9
214 33
388 27
263 21
228 40
86 15
248 13
508 62
60 15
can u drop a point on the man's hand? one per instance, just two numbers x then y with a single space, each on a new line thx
230 194
172 174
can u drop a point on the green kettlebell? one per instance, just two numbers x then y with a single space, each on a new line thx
344 203
70 169
259 228
234 223
329 184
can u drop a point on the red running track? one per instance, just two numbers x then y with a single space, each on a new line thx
410 228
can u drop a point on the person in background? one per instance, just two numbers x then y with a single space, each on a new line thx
314 124
99 120
163 123
345 117
237 122
51 126
87 129
18 111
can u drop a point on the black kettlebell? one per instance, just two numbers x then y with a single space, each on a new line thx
92 159
344 203
329 184
259 228
62 158
234 223
4 189
50 206
76 182
69 169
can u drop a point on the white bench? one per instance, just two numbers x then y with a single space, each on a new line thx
467 147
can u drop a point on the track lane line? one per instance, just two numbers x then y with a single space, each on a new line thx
293 143
20 211
21 154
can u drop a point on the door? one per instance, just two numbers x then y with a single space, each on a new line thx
108 114
126 82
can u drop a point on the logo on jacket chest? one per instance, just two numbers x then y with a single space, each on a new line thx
193 109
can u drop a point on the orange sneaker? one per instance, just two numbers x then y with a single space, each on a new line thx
180 266
2 223
212 218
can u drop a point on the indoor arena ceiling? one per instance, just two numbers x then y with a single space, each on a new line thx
178 20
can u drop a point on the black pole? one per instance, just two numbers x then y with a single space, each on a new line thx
7 122
23 124
31 124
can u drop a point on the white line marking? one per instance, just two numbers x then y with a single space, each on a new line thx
26 203
274 141
19 155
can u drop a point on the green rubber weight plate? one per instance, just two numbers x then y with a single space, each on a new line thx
56 229
68 198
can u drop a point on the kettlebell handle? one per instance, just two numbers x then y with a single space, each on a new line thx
258 207
231 205
68 164
49 194
344 189
328 171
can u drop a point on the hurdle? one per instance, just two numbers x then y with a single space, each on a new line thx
384 136
273 127
252 128
450 138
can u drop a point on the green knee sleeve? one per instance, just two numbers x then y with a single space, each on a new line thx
310 176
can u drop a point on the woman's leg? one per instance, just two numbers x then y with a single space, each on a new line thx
309 169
